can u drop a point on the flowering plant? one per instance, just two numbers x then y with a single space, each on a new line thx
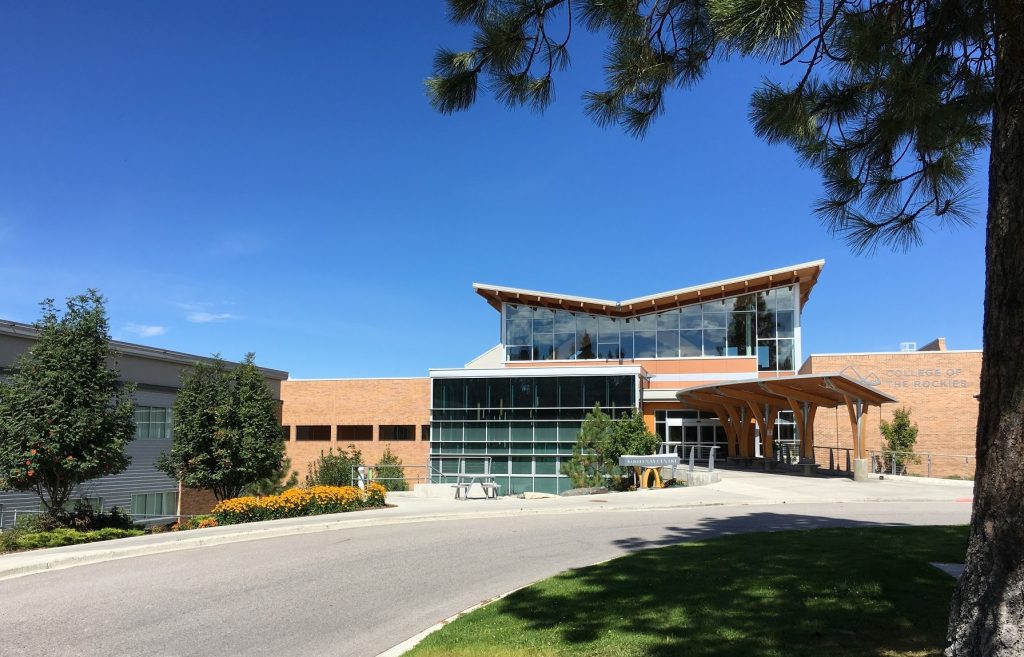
297 502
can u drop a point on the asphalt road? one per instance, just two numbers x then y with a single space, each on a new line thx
359 591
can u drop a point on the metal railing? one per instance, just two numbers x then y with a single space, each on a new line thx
443 476
391 476
840 459
684 450
137 518
922 464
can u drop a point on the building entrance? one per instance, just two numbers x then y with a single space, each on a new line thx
681 430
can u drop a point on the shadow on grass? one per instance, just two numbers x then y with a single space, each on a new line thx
751 522
861 590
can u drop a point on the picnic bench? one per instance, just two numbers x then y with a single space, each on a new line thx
464 480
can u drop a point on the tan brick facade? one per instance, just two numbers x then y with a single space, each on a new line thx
195 501
373 402
938 387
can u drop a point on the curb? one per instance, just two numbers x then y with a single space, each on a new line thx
413 641
62 561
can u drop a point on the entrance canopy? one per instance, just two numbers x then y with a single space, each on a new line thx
740 405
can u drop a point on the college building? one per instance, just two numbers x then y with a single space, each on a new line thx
939 386
711 367
146 492
715 368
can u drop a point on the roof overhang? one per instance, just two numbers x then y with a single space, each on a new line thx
806 274
514 372
30 332
825 390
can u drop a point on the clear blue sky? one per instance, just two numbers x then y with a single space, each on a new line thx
269 177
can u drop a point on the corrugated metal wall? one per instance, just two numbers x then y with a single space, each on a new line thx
157 382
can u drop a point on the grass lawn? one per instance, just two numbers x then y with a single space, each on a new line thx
819 593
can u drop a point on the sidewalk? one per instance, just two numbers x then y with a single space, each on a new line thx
737 488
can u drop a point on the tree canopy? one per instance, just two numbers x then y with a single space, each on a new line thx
226 430
64 416
892 101
600 443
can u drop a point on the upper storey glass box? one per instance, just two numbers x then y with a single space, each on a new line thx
761 324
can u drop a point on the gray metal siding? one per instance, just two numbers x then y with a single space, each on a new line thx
114 490
158 378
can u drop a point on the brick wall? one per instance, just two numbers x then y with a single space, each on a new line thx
374 402
195 501
938 387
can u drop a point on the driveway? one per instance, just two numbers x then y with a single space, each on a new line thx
363 589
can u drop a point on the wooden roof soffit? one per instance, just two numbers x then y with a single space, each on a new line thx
748 396
798 394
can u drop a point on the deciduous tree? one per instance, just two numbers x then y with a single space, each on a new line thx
900 437
227 434
64 417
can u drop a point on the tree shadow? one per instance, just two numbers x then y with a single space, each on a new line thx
836 591
741 524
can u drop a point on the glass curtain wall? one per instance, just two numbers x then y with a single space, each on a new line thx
760 324
526 425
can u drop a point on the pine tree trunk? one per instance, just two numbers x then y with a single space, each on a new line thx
987 614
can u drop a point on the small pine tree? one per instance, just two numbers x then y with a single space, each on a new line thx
900 437
389 472
64 417
590 465
278 482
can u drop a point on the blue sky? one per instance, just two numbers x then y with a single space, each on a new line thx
269 177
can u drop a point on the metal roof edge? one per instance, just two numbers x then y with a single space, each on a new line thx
22 330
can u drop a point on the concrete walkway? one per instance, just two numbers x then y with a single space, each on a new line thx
737 488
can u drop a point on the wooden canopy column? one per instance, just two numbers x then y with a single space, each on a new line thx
760 400
856 408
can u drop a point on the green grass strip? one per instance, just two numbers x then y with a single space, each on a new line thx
817 593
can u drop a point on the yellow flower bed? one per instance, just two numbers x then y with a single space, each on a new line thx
297 502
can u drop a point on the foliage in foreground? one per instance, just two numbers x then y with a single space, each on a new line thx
197 522
226 432
332 469
277 482
299 502
835 592
64 416
600 443
900 437
389 472
82 517
12 540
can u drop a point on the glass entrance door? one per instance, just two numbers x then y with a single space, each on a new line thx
682 430
673 436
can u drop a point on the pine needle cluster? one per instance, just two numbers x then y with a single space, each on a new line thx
892 104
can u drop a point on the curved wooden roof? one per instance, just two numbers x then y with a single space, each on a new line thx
806 274
827 390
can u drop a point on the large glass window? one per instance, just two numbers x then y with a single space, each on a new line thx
149 506
746 325
540 418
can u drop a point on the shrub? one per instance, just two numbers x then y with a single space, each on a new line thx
196 522
298 502
900 437
83 518
600 443
389 472
19 539
332 469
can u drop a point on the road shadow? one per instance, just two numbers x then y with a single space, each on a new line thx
740 524
832 591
